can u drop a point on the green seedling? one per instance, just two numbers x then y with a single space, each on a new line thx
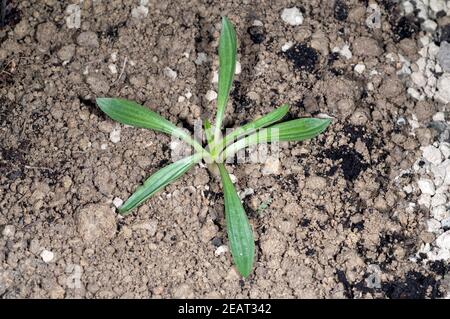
262 130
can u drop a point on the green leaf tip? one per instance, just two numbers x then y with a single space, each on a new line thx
227 68
240 235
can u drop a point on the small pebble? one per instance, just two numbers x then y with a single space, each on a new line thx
444 56
373 20
211 95
438 199
88 39
112 68
287 46
140 12
238 68
426 186
201 58
433 225
47 256
432 154
439 117
9 231
359 68
221 250
429 26
171 74
443 241
114 136
292 16
117 202
440 213
272 166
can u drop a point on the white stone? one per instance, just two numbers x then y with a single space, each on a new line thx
272 166
143 2
221 250
233 178
401 121
419 79
424 52
444 56
215 78
445 223
47 256
238 68
421 64
73 19
188 95
438 199
257 23
201 58
373 20
443 241
112 68
292 16
117 202
440 212
439 117
170 73
246 192
211 95
140 12
345 52
392 57
425 40
446 165
424 200
104 146
114 135
426 186
359 68
181 99
437 5
287 46
433 225
408 189
439 254
432 154
429 26
9 231
408 7
433 50
445 149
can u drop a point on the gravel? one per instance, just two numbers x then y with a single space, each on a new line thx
47 256
292 16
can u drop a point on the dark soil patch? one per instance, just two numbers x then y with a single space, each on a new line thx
303 57
415 285
340 10
404 28
256 34
351 162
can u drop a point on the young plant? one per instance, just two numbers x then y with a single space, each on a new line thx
262 130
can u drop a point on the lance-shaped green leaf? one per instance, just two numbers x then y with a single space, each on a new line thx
251 127
227 67
292 131
240 236
134 114
159 180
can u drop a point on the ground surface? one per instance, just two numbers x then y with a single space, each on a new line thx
342 217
